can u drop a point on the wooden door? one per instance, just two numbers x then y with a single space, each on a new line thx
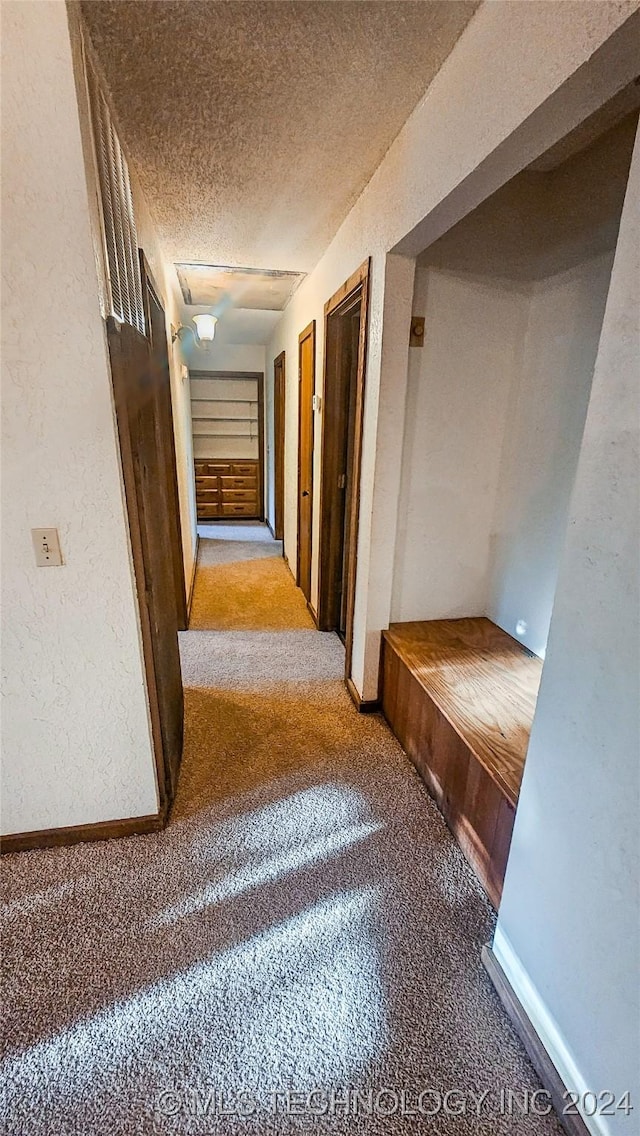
157 334
306 387
138 404
279 381
346 315
349 337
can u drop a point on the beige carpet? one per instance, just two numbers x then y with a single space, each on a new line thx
305 927
245 585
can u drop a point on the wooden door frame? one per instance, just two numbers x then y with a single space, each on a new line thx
358 284
258 378
309 332
149 287
279 412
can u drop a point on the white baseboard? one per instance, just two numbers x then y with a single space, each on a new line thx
546 1028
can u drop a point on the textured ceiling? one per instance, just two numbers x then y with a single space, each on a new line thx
254 126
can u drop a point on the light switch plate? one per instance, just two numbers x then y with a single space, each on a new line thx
46 546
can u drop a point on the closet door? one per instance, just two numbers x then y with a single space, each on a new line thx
138 403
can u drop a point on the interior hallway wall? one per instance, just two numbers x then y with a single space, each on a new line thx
542 438
457 398
567 934
496 104
76 744
496 403
165 279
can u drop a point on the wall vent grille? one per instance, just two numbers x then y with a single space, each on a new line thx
118 221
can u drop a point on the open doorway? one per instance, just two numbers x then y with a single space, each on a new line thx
344 376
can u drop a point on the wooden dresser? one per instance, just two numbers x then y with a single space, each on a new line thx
227 488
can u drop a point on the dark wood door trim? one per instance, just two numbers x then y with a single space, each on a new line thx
279 403
355 289
308 333
151 294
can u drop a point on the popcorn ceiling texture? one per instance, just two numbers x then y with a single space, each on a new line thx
255 126
300 923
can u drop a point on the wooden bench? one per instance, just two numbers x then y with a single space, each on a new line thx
460 694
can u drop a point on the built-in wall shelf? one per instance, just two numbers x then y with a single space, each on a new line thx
225 415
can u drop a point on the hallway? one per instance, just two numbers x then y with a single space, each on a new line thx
300 924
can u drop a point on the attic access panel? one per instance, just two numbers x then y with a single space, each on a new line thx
218 286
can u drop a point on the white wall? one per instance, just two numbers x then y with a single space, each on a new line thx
542 437
519 78
76 744
165 279
496 403
223 356
513 297
457 398
568 929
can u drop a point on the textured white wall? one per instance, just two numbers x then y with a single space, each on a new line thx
568 930
495 105
76 744
496 403
165 279
457 397
223 356
543 433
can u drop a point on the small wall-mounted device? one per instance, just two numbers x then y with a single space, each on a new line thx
316 402
184 372
416 335
47 548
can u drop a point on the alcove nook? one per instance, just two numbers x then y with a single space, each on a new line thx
513 298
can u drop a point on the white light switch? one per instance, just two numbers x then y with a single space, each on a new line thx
47 547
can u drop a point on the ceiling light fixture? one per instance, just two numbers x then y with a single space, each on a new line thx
205 328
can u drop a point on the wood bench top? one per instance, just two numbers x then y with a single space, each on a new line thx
483 681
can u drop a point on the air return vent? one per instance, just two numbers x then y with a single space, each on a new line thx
220 287
118 222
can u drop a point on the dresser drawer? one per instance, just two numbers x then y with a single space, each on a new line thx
244 469
239 483
205 512
205 468
207 497
239 509
206 483
248 495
